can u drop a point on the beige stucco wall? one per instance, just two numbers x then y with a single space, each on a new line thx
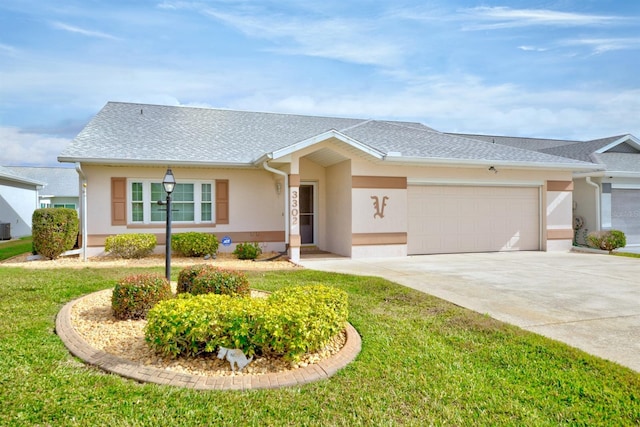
586 206
254 204
338 228
556 206
343 211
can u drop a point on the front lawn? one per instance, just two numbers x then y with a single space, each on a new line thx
11 248
423 361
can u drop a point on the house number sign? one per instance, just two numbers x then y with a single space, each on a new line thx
295 211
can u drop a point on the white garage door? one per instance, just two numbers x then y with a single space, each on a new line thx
455 219
625 213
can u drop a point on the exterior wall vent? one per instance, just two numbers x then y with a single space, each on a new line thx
5 231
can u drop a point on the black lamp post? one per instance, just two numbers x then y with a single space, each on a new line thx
169 183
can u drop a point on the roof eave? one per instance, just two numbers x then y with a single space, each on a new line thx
154 162
317 139
488 163
21 180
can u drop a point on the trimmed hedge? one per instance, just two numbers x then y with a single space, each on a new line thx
247 250
135 295
187 275
194 244
289 323
220 281
206 278
607 240
54 230
133 245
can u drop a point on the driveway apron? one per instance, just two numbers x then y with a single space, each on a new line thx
589 301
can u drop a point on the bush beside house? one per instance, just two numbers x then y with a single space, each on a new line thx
55 231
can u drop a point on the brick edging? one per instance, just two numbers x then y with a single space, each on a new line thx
133 370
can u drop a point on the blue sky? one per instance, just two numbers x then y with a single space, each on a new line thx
551 69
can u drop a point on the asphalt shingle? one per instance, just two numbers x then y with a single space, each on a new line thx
125 132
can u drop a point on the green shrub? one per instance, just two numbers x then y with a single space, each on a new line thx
302 319
187 275
189 326
607 240
135 295
215 280
55 231
247 250
288 323
134 245
194 244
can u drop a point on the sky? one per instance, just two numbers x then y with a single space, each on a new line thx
566 69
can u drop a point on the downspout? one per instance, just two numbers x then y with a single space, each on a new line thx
597 188
266 166
83 212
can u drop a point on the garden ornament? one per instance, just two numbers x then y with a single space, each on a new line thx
234 356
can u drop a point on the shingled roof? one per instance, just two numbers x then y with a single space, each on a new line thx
619 154
154 134
58 182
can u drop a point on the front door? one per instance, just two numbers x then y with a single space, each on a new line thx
307 214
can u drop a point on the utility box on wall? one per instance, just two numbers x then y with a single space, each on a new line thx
5 231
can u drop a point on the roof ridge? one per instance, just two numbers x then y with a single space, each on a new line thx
234 110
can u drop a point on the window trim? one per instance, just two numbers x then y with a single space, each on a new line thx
146 202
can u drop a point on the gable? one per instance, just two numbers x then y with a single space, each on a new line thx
624 148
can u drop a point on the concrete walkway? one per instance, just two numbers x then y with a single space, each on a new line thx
589 301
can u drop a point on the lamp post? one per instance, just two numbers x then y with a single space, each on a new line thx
169 183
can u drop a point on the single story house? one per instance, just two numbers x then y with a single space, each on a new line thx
61 185
18 200
353 187
606 198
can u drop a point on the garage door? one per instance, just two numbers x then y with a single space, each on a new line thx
455 219
625 213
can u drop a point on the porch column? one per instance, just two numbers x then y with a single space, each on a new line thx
294 217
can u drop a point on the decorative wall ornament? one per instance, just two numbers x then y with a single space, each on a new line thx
379 209
234 356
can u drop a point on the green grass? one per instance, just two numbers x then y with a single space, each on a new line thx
627 254
12 248
423 362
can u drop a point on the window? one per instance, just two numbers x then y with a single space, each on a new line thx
64 205
190 202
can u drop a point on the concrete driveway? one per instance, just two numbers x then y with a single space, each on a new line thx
589 301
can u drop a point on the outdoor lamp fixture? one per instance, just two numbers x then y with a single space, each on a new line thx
169 184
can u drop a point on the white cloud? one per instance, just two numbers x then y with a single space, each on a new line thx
468 105
344 39
82 31
21 149
603 45
505 17
532 49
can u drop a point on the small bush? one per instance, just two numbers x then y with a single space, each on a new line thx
188 274
289 323
247 250
55 231
135 295
195 325
220 281
135 245
607 240
194 244
302 319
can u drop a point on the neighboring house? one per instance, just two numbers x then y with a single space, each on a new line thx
61 185
18 200
608 198
353 187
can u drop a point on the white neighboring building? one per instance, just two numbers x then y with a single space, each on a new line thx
61 185
18 199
